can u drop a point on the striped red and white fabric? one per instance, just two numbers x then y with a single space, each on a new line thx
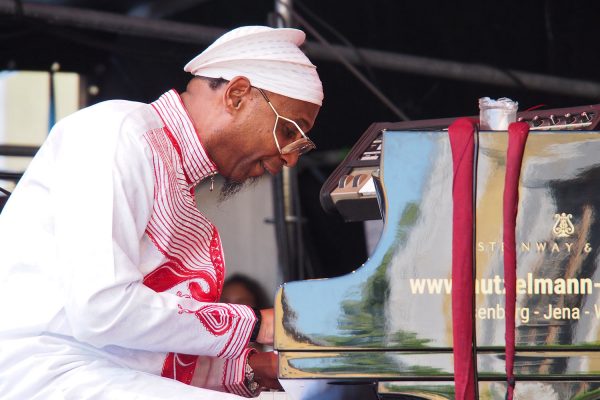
189 242
235 371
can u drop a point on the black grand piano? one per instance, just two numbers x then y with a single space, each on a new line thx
385 330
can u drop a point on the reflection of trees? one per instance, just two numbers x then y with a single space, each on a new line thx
360 363
363 321
579 196
290 320
565 266
427 391
588 393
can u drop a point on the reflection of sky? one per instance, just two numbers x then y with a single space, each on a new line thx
426 254
406 161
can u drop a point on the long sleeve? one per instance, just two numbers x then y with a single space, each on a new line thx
102 200
91 274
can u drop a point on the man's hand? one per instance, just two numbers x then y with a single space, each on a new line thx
265 369
265 333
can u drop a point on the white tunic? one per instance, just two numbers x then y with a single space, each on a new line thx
109 273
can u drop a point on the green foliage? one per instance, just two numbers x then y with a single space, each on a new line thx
446 391
592 395
362 363
364 322
364 319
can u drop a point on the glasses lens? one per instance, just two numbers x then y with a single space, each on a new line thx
286 127
301 146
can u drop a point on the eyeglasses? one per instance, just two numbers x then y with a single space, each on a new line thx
300 146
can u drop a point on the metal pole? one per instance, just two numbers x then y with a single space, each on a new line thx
285 186
115 23
204 35
462 71
283 9
18 151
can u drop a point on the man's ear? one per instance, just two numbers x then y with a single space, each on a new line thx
236 93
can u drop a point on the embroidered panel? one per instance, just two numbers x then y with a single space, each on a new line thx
189 242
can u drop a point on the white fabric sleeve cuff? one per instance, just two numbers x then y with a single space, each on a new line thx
234 375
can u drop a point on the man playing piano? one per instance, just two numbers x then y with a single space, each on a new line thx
109 274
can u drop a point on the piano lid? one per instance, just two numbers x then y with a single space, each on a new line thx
390 320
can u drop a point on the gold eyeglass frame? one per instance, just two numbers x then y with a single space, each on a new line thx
302 145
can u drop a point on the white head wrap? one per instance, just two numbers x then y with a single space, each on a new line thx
268 57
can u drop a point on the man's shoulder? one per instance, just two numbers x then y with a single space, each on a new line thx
113 111
112 118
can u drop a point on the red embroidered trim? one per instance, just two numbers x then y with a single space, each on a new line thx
180 367
171 274
179 152
175 117
219 319
205 160
218 260
242 324
234 373
177 229
216 318
189 242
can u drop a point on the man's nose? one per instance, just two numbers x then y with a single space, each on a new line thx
290 159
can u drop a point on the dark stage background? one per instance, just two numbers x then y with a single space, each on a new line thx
555 38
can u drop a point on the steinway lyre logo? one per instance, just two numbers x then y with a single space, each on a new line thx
563 227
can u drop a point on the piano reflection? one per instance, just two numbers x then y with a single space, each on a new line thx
385 331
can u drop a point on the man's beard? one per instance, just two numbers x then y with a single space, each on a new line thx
230 187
